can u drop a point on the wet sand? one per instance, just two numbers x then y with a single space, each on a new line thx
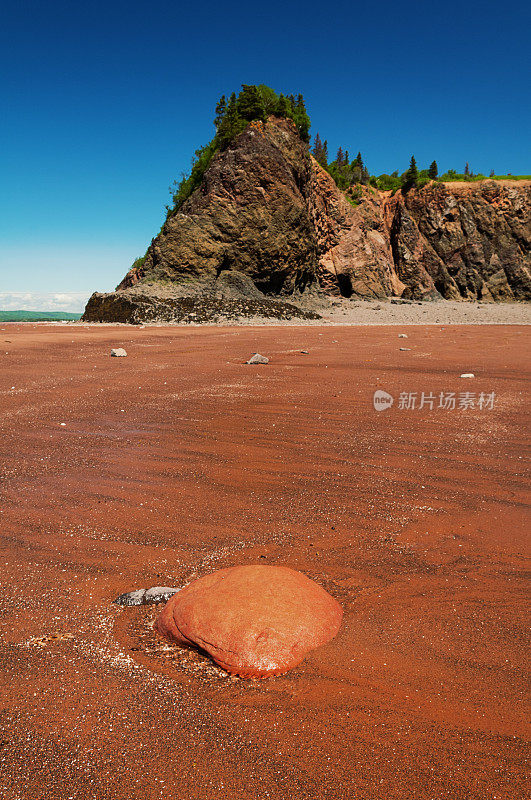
178 460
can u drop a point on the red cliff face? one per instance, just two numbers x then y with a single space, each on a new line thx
266 209
355 257
465 242
472 240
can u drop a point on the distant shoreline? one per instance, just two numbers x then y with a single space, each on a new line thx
39 316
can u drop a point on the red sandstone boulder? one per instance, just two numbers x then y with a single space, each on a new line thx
253 620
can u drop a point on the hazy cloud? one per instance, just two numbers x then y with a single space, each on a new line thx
43 301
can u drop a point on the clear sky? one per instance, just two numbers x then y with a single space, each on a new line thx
103 104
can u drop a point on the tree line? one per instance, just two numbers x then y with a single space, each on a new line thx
347 173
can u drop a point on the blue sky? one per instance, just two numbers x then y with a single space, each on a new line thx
103 105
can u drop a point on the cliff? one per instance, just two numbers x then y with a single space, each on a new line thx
249 214
466 242
266 209
471 241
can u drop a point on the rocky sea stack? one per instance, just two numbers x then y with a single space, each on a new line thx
264 225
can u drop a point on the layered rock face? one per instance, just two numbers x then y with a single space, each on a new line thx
467 242
266 209
471 241
249 214
355 256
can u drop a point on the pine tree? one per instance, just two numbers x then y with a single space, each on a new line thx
221 107
317 148
320 151
492 173
340 158
412 175
433 171
231 124
250 104
359 173
346 158
302 120
282 109
269 99
467 169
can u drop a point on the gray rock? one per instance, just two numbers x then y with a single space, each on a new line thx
405 348
402 335
135 598
146 597
258 359
305 352
236 285
159 594
467 375
118 352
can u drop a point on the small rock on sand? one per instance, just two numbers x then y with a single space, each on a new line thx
258 359
118 352
159 594
405 348
135 598
143 597
402 335
467 375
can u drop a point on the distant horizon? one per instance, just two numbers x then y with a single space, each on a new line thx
53 302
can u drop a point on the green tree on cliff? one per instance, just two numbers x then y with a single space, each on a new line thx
269 99
250 104
231 124
318 150
358 170
301 119
411 176
221 107
433 171
325 153
283 108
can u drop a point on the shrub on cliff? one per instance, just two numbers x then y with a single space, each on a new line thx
183 189
388 183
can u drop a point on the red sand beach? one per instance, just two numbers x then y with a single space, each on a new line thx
180 459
